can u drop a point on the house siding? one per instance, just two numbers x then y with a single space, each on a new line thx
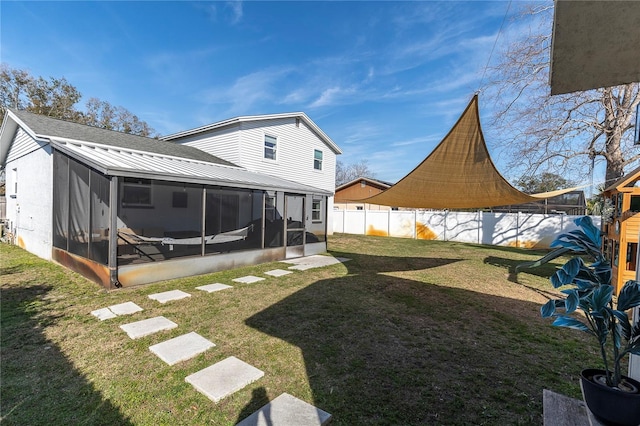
21 145
222 143
29 208
294 158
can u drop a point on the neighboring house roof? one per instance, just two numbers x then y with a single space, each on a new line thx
145 157
221 124
375 182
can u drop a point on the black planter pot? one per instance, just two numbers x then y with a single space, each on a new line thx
611 406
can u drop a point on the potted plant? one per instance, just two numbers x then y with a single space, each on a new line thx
612 397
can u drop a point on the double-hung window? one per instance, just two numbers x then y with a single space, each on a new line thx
316 209
317 159
270 146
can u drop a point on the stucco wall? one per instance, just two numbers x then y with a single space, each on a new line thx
29 208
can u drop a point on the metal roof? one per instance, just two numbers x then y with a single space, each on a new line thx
116 161
247 118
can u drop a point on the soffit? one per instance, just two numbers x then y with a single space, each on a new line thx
595 44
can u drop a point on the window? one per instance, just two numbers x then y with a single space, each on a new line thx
632 251
270 145
317 159
136 193
316 210
179 200
270 208
635 203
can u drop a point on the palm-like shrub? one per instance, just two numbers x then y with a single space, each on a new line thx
588 289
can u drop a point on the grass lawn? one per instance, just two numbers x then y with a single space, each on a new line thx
407 332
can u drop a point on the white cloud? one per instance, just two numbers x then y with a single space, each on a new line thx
236 10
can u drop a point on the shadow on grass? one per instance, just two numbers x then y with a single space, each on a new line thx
40 386
380 349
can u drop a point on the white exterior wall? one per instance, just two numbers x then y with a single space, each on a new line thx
29 210
223 143
243 144
294 152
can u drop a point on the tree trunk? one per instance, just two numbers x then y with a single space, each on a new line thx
615 160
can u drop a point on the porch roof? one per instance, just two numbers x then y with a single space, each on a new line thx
117 161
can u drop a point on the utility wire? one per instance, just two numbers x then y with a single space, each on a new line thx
495 42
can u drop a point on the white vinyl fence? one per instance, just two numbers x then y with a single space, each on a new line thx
502 229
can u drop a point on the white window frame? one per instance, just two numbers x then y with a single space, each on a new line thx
316 211
319 161
274 148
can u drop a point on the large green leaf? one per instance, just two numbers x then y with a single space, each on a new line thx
629 296
571 302
569 322
623 321
601 296
548 309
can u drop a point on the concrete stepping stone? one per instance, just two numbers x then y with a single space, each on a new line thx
249 279
168 296
126 308
224 378
278 273
181 348
210 288
287 410
315 261
112 311
103 314
139 329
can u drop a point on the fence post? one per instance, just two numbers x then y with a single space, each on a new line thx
446 212
518 229
479 225
415 224
364 231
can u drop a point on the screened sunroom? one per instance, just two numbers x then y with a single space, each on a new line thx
123 217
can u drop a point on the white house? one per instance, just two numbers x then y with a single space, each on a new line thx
125 210
289 146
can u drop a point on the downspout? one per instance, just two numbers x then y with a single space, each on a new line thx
113 233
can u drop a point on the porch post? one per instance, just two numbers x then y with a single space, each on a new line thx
113 232
203 228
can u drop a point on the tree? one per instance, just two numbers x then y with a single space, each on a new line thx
102 114
563 134
348 172
57 98
544 182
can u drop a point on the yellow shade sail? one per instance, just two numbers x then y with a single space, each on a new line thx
458 174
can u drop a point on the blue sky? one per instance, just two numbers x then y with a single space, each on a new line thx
385 80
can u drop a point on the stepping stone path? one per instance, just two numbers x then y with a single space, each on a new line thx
249 279
231 374
168 296
278 273
210 288
224 378
139 329
113 311
287 410
181 348
316 261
